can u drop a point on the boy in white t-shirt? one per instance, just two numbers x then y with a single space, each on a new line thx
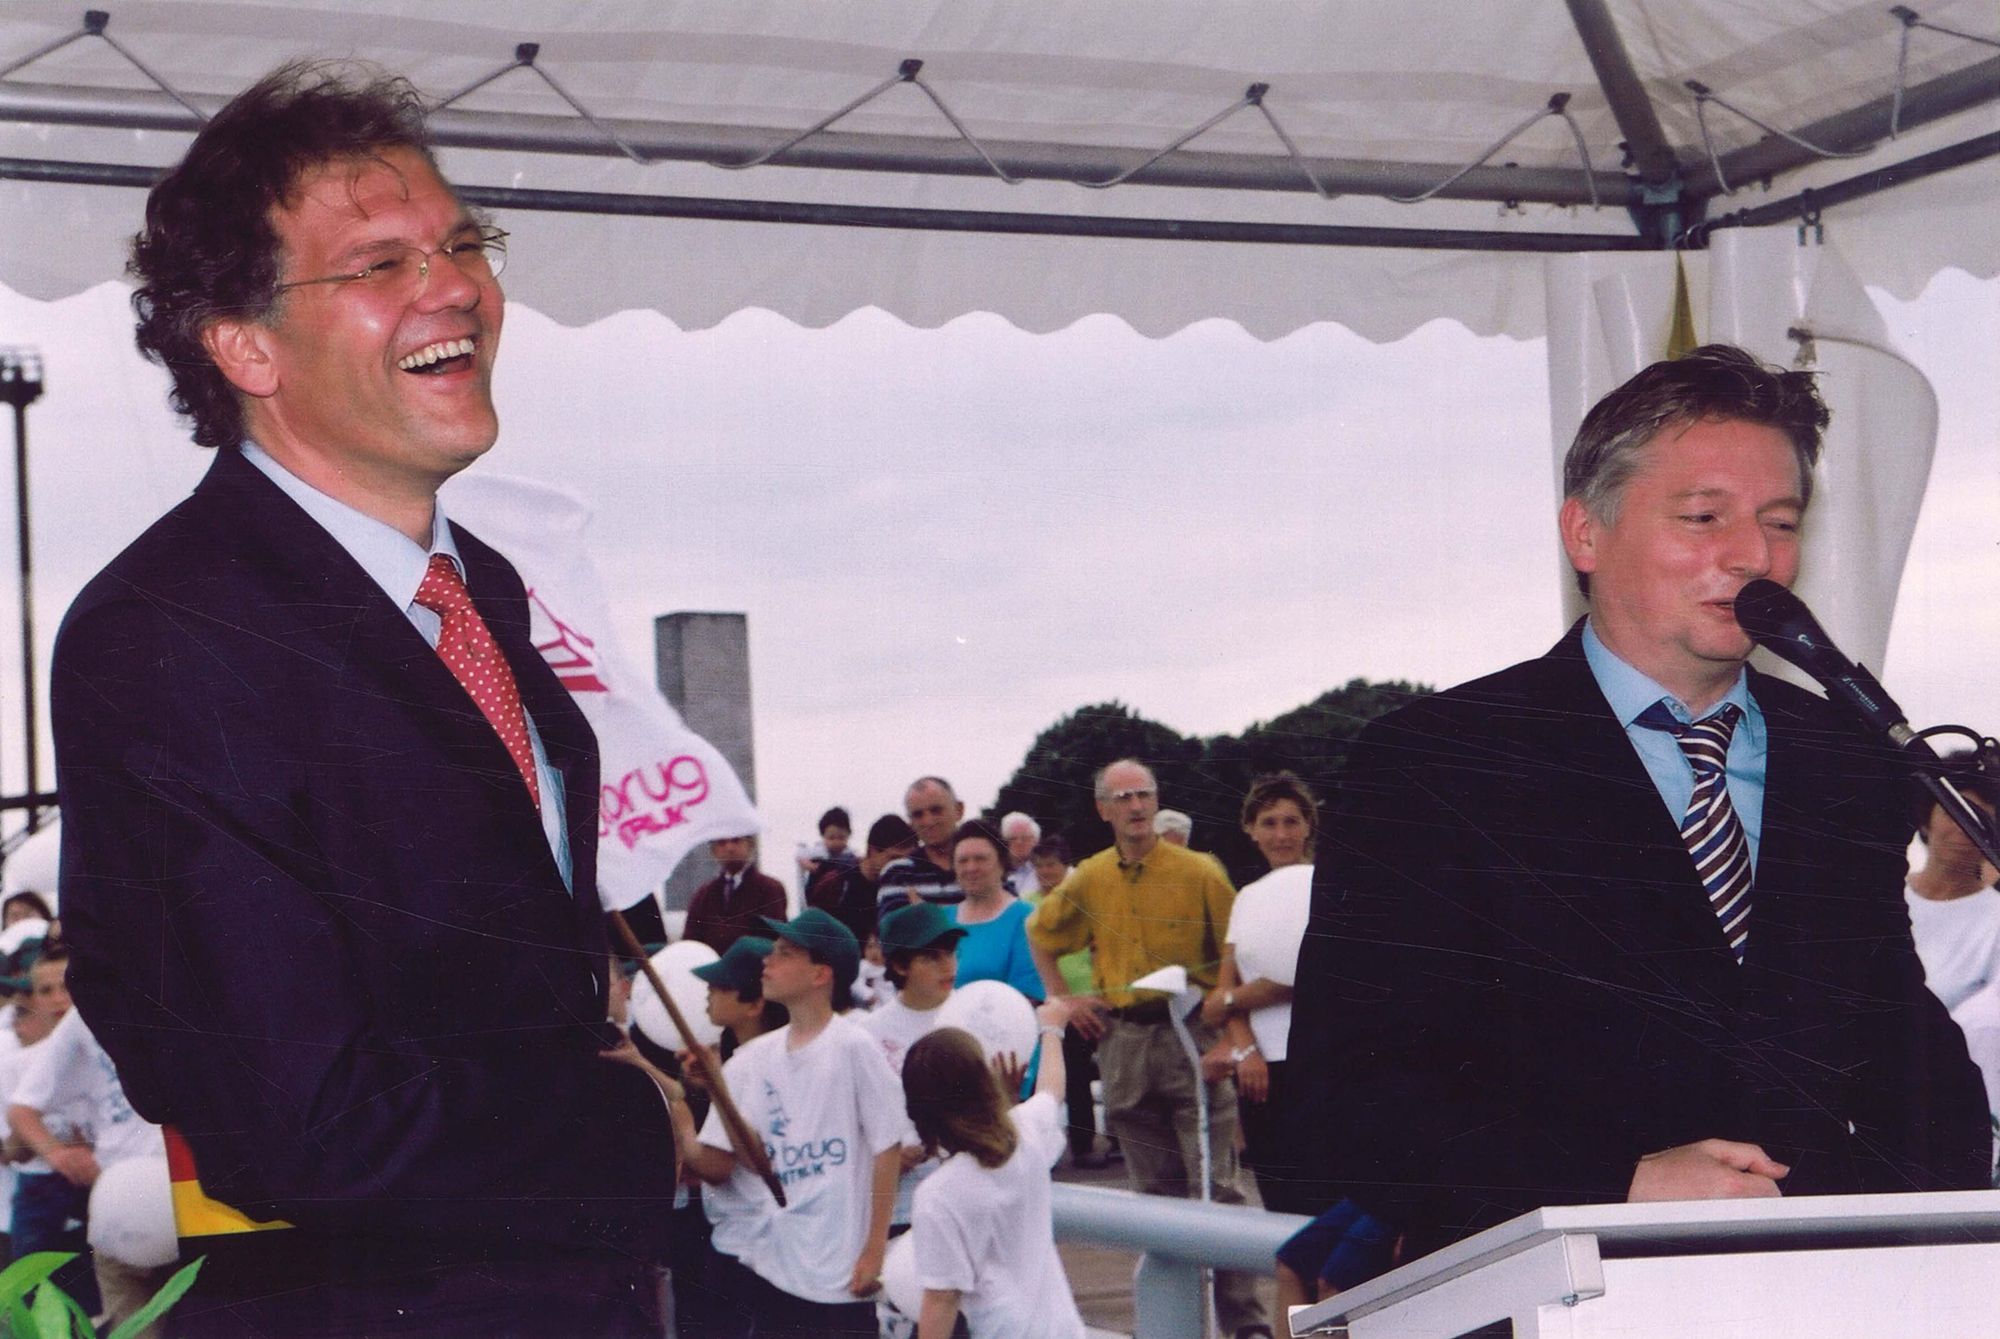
827 1107
920 953
984 1229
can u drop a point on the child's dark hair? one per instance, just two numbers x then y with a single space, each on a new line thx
954 1099
896 966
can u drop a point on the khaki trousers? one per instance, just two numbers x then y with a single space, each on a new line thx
1150 1108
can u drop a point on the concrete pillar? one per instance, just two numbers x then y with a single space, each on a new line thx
703 663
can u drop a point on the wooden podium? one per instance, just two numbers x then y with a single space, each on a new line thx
1921 1266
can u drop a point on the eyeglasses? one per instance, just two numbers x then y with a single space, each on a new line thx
403 270
1137 793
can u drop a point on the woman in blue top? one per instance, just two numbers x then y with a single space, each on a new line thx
995 947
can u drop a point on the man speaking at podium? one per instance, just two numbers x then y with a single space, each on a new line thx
1626 921
329 821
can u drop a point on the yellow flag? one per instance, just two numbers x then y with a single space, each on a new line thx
1681 339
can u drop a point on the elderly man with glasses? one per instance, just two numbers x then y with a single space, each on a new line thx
329 821
1140 905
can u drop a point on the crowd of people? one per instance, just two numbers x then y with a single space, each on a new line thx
933 903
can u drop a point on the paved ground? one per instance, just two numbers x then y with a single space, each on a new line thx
1101 1278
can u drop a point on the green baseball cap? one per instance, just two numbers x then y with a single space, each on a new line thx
740 968
834 944
916 927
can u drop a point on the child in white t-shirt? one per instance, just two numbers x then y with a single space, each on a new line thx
822 1100
983 1226
920 952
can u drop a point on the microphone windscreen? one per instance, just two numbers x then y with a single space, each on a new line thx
1768 612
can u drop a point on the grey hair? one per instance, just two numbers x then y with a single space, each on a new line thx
1103 792
1017 819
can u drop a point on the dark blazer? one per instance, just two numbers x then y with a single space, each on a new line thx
315 920
711 922
1513 986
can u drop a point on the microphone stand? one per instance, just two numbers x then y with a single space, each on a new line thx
1927 767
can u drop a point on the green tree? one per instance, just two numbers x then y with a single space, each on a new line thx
1206 779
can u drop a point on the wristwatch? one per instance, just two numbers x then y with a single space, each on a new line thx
1242 1053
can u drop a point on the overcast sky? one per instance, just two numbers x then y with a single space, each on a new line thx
946 538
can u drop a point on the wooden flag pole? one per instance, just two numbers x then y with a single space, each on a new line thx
743 1140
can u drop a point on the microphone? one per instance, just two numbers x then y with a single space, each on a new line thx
1780 622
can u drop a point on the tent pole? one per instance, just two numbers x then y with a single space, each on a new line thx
1637 122
927 220
1809 202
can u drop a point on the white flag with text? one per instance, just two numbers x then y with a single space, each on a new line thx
664 788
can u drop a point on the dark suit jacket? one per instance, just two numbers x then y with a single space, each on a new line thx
314 916
1513 986
717 925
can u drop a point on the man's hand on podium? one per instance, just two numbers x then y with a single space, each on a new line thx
1713 1169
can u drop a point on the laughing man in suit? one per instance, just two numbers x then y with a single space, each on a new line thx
1625 922
329 820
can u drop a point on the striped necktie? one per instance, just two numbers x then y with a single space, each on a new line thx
1711 829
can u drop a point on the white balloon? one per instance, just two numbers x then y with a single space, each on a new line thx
676 963
132 1214
20 932
1269 924
32 867
997 1014
899 1277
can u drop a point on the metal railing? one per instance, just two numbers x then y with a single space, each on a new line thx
1177 1241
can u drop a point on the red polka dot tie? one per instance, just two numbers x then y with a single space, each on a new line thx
469 651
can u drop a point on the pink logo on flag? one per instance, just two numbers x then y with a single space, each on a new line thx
652 799
569 653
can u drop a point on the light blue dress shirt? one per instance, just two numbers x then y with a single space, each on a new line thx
397 564
1630 693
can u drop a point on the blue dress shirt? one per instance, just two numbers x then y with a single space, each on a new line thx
1629 692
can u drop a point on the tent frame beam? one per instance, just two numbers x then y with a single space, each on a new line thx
1645 141
922 220
1807 204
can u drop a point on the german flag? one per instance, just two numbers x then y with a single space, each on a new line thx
195 1214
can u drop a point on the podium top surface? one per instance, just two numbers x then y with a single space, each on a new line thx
1683 1227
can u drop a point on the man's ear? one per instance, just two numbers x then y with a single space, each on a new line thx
241 350
1580 534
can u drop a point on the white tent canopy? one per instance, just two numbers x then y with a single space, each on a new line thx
1376 98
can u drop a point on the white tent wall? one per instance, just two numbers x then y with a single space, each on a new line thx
1755 287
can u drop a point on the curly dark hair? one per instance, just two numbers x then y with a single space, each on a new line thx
1715 381
209 247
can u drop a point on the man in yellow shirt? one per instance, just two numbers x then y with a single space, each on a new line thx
1139 906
